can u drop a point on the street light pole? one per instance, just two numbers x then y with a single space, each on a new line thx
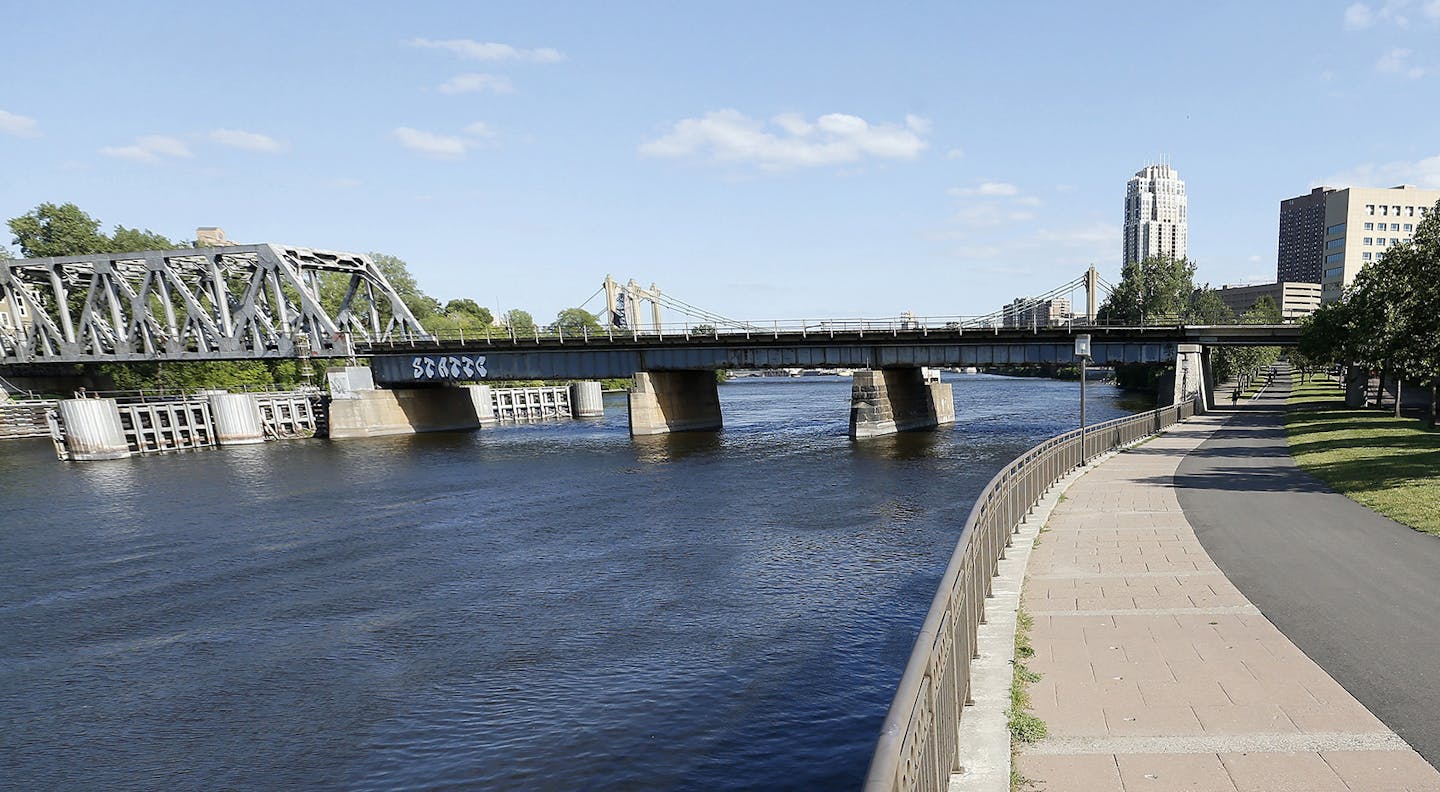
1082 351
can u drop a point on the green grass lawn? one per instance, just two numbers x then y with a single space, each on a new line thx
1390 464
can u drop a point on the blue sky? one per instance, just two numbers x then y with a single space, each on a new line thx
762 160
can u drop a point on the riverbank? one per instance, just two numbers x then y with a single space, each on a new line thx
1389 464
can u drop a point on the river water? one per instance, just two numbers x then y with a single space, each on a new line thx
549 606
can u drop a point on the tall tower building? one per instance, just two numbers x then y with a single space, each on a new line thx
1155 214
1300 257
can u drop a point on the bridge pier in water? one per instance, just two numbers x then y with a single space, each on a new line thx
662 402
886 401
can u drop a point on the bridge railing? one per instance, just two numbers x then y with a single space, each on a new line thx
919 742
770 328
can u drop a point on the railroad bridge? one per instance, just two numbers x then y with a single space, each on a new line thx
250 302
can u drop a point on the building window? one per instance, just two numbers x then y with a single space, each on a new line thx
1369 226
1335 229
1397 211
1395 226
1335 243
1369 240
1370 209
24 310
1406 240
1394 241
1334 258
4 319
1366 256
1409 227
1409 211
1334 272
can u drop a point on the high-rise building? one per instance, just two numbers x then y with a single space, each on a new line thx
1361 223
1155 214
1300 258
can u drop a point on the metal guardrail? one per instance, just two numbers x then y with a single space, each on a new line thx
919 741
801 328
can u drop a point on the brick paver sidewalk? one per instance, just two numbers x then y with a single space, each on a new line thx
1159 675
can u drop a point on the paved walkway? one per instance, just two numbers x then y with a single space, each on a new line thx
1357 592
1160 675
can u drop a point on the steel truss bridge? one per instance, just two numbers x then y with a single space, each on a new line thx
238 302
267 301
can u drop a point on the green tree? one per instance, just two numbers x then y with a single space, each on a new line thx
1206 308
470 308
397 272
1154 291
1264 311
58 230
130 240
576 321
520 322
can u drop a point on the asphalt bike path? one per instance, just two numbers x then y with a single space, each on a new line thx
1357 592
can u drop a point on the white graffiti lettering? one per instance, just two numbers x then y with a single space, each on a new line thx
461 367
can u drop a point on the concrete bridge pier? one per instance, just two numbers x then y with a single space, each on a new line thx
1191 379
886 401
237 418
359 409
662 402
93 429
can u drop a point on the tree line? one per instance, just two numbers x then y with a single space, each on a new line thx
55 230
1388 320
1161 290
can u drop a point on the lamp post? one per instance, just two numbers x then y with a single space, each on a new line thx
1082 351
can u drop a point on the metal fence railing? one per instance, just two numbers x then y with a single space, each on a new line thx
776 328
919 741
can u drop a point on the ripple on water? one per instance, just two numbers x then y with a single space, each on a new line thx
534 607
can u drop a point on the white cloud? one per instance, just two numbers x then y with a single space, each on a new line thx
988 189
955 153
489 50
150 149
444 146
476 83
1397 61
18 125
1422 173
731 136
481 130
1358 17
249 141
430 144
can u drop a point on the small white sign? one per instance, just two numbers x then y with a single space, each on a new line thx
1082 345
